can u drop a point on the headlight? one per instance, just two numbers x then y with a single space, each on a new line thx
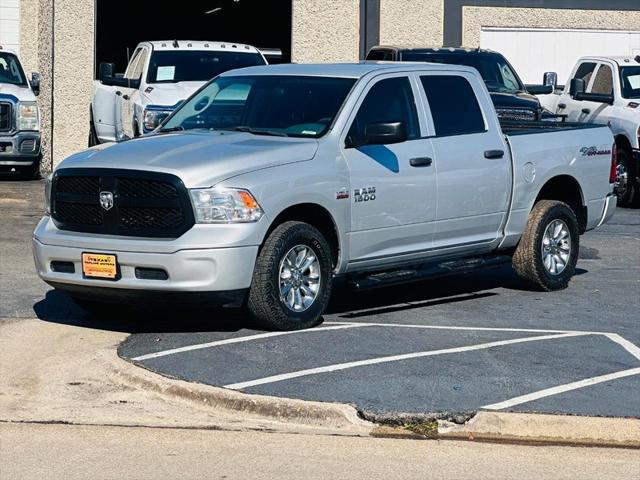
47 194
28 118
153 118
225 205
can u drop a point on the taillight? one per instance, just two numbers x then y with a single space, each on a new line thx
613 173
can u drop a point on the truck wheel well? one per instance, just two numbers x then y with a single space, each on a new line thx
623 143
565 188
316 216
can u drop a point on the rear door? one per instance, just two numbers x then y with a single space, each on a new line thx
392 191
471 160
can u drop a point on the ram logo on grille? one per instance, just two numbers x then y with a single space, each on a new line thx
106 200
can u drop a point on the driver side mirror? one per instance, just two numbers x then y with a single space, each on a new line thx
380 134
35 83
576 90
550 78
106 71
576 87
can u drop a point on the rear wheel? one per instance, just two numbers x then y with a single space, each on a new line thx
292 278
627 187
547 254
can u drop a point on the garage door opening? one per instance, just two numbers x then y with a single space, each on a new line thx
121 25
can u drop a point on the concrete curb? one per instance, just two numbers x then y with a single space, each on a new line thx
334 416
549 429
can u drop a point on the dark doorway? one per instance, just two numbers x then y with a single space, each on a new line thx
121 25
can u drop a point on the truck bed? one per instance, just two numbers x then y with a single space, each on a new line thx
522 127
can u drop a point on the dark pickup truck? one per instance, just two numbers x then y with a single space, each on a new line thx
513 100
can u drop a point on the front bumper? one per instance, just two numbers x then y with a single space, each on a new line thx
609 208
187 269
20 149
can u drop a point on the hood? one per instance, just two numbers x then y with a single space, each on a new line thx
515 100
169 94
23 94
200 159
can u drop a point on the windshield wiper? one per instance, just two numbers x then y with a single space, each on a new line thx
171 129
257 131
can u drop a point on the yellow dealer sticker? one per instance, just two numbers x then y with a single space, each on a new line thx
96 265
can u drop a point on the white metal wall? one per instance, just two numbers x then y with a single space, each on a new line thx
533 51
10 24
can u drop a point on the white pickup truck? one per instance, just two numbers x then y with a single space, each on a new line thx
272 182
159 76
19 117
606 90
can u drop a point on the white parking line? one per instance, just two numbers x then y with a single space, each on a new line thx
248 338
624 343
547 392
393 358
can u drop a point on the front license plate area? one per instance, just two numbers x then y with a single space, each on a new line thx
98 265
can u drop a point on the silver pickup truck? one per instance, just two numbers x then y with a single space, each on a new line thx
271 183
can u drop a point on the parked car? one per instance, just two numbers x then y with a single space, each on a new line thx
607 90
272 182
512 99
19 117
159 76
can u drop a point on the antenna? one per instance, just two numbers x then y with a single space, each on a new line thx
128 56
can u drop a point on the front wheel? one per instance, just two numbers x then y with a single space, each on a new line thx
292 278
547 254
627 187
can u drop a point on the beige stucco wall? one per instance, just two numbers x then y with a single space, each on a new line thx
29 35
325 31
73 75
474 18
411 22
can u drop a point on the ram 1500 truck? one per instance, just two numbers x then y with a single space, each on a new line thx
513 99
19 117
272 182
607 90
159 76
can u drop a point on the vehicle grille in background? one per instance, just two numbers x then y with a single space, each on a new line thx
5 117
145 204
516 114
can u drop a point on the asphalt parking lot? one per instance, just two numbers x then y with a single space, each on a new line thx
447 346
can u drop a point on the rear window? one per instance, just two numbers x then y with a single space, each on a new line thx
168 66
454 106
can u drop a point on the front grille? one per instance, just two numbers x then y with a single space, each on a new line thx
134 203
5 117
516 114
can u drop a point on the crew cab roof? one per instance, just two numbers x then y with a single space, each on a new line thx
621 60
200 45
458 50
346 70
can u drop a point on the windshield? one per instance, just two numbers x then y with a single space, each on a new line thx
494 69
10 69
168 66
630 82
296 106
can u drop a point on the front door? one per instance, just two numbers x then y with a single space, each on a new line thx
392 185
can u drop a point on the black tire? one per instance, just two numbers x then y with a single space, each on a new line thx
93 136
32 172
629 195
265 305
528 259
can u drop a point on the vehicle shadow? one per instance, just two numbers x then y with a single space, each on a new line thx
346 304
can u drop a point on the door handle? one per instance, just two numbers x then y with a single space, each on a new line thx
118 93
125 97
421 162
490 154
562 105
586 111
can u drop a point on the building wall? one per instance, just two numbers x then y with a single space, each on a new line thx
474 18
411 22
325 31
10 24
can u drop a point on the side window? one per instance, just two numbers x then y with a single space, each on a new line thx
455 112
132 64
388 101
603 83
585 70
